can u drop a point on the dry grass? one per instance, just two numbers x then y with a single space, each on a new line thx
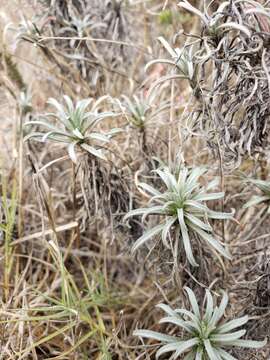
70 288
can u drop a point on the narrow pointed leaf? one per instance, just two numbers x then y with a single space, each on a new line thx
249 343
224 339
224 355
213 355
93 151
180 348
71 151
166 229
193 302
235 323
154 335
185 238
146 236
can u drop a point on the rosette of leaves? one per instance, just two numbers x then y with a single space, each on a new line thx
205 334
182 60
140 110
28 31
76 126
136 110
264 187
79 26
182 205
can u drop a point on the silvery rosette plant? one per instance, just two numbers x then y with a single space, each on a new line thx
79 26
141 111
205 334
28 31
136 110
77 126
182 60
182 205
264 187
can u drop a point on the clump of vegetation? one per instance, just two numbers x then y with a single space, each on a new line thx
230 100
137 110
77 126
95 40
207 335
185 87
141 113
166 17
182 206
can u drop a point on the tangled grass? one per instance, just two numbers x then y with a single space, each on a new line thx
185 87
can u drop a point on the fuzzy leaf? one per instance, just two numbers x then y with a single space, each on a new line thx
249 343
180 347
146 236
211 352
185 237
193 302
154 335
71 151
235 323
93 151
166 229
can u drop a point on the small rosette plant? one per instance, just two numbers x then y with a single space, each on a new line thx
182 59
205 335
77 126
141 111
136 110
182 205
